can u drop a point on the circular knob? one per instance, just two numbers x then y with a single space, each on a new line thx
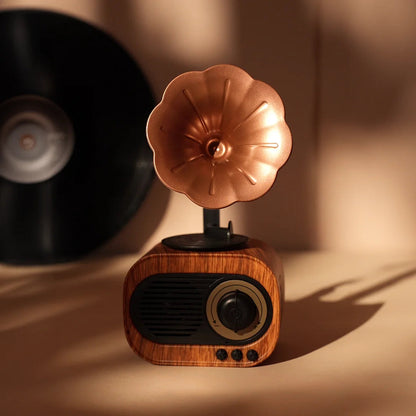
252 355
236 310
237 355
221 354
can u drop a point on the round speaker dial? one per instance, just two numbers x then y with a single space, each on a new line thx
236 310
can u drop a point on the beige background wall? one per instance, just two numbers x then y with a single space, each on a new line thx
346 71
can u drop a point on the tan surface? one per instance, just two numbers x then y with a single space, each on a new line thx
344 349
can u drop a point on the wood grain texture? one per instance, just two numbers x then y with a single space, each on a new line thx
257 261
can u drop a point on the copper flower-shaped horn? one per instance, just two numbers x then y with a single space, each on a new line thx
219 136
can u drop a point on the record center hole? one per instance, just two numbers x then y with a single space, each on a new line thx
27 142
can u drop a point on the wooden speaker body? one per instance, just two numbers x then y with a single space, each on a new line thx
170 303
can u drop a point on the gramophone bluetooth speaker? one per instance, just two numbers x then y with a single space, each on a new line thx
212 308
212 299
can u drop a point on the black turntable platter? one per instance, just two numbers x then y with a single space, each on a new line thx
74 160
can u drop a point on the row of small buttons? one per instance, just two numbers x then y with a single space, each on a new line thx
237 355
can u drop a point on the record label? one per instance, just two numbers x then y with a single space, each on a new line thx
36 139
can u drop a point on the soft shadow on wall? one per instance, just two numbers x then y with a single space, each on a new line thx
349 92
367 127
277 44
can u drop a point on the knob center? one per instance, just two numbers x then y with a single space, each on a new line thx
236 310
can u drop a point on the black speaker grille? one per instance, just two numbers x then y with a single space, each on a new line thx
170 308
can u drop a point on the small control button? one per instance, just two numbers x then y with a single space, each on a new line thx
252 355
221 354
237 355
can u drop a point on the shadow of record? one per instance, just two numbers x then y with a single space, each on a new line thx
74 160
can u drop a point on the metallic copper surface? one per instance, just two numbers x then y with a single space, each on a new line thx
219 136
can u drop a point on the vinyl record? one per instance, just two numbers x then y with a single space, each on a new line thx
74 160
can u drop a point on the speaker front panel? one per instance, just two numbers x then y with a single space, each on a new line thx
185 308
203 309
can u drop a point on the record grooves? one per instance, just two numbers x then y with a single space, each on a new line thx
94 165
